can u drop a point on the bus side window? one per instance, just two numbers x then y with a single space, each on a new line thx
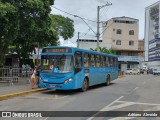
111 62
78 60
103 59
107 62
86 60
92 60
97 61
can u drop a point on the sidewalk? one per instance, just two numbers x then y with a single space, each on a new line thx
22 87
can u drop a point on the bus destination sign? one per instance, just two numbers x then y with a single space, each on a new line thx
56 50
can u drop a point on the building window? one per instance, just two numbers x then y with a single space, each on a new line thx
119 31
131 32
131 43
118 42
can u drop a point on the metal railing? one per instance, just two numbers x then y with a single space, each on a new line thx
15 75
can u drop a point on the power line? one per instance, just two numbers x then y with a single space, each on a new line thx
106 29
73 14
85 23
86 33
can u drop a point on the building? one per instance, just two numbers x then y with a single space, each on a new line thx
152 35
141 47
122 34
90 43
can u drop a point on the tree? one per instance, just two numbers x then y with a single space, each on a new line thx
27 22
62 26
105 50
34 26
8 28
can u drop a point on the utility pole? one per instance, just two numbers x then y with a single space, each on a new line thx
78 40
98 9
98 34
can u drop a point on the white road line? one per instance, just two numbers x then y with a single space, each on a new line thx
137 103
118 106
103 109
135 88
46 118
61 97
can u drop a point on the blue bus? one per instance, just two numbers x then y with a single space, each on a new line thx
68 68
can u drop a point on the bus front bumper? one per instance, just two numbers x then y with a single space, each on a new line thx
68 86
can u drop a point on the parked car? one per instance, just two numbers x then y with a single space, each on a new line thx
132 71
135 71
128 71
156 71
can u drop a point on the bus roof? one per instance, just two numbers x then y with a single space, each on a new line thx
83 50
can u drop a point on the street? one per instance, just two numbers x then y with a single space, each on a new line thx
130 93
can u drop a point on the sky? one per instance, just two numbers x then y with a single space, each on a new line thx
88 9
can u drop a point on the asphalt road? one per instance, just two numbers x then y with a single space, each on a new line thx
131 93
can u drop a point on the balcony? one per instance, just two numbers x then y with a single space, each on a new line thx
156 20
154 12
156 36
130 58
156 27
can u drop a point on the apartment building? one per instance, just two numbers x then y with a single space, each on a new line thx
152 35
122 34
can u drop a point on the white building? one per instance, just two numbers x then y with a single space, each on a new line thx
152 34
90 43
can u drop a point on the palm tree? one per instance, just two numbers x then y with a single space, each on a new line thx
105 50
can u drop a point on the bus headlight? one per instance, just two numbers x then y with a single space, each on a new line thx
67 81
40 79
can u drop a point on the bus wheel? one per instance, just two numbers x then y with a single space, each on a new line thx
85 85
108 80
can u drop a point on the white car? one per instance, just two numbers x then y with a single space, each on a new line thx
128 71
156 71
135 71
132 71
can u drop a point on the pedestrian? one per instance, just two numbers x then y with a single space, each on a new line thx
11 76
33 77
37 73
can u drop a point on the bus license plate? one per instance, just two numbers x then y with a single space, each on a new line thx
52 86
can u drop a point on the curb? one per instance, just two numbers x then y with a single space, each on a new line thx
7 96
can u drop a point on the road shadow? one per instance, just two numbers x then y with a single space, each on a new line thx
76 91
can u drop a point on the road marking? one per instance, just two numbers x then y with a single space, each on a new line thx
61 97
135 88
46 118
137 103
106 107
118 106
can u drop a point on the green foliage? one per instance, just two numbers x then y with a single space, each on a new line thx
8 26
25 22
62 26
105 50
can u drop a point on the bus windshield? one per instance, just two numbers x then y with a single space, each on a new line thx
57 63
